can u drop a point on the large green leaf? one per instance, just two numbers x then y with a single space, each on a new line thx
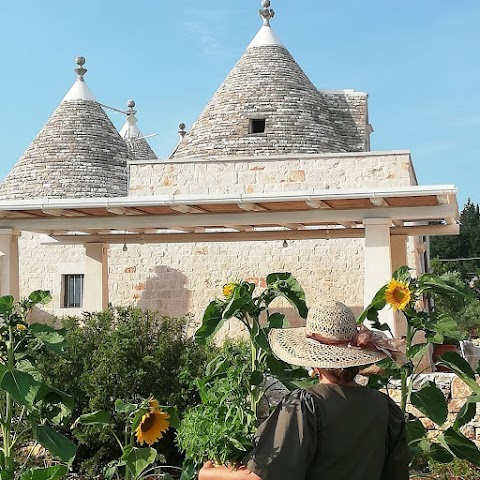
287 286
378 303
21 386
446 326
40 296
431 402
174 419
416 432
94 418
402 274
466 414
124 407
277 320
5 475
51 473
6 304
138 459
52 338
237 305
212 321
460 446
429 282
439 454
454 362
56 443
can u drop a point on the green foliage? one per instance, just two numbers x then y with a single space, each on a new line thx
123 353
31 408
221 427
465 245
135 460
241 302
460 469
437 325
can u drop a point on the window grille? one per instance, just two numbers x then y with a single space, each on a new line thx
72 291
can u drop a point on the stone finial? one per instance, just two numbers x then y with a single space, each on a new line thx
266 13
80 70
131 119
181 130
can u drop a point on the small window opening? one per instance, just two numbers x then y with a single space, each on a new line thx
257 125
72 291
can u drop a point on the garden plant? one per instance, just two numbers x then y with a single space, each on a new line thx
32 410
415 298
241 384
144 423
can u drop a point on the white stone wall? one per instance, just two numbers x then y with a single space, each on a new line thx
180 278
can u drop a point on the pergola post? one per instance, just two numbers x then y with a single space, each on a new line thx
95 286
9 272
378 263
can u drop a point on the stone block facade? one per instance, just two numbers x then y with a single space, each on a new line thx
456 393
176 279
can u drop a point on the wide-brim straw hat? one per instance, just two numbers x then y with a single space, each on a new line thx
324 341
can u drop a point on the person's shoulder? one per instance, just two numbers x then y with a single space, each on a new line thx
299 396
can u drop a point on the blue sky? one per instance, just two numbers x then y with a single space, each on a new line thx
418 60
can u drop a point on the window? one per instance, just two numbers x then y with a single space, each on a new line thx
257 125
72 291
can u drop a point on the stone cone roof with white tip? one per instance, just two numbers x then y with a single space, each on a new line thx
78 153
138 146
267 84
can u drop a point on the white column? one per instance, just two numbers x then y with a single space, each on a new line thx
9 272
378 263
95 284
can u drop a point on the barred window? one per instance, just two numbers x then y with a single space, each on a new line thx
73 291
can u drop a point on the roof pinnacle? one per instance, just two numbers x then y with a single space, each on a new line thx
131 119
266 13
80 70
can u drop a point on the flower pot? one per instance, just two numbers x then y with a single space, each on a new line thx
438 351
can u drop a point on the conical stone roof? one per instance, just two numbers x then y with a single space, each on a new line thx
78 153
266 85
133 137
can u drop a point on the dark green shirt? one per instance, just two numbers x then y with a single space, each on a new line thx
332 432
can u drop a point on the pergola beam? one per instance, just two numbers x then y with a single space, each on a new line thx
245 236
330 216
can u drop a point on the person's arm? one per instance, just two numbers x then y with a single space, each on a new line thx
396 462
210 472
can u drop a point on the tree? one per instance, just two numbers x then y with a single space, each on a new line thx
465 245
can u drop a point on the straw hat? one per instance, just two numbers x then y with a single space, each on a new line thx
325 340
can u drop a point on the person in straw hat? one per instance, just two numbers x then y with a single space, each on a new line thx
336 429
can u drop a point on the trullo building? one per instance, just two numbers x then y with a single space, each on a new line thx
274 175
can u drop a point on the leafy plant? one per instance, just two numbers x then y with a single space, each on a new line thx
40 407
409 295
222 426
145 422
239 301
124 353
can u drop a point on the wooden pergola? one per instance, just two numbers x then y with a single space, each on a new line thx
384 217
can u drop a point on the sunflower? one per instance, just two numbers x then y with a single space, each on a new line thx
228 289
153 425
398 295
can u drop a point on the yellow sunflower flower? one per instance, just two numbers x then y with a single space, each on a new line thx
152 427
228 289
153 404
398 295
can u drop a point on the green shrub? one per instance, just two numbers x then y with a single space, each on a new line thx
123 353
